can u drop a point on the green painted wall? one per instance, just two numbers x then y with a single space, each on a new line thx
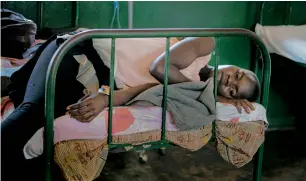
278 13
156 15
203 15
236 51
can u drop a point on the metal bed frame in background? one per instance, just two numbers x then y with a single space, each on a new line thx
286 20
147 33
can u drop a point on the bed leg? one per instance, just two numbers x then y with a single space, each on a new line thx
162 151
257 170
142 156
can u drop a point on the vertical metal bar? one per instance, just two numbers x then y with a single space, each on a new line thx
256 62
40 9
165 91
257 172
76 13
4 4
111 96
217 58
264 98
262 12
265 77
130 14
257 67
288 13
257 168
48 135
49 115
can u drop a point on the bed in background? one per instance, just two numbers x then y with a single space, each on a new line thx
288 41
282 26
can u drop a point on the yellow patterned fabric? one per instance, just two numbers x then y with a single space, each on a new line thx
237 143
191 140
83 160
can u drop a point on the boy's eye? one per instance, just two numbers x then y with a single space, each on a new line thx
237 75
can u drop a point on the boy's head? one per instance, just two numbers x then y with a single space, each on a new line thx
237 83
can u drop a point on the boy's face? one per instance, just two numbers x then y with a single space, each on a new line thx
235 82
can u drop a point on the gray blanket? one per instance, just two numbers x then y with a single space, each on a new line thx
192 104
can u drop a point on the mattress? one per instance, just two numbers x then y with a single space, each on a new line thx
127 121
238 138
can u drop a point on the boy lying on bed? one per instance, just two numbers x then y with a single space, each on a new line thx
139 65
188 62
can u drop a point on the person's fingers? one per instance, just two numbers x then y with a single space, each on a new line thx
73 106
78 118
249 104
91 118
238 106
245 107
79 105
86 117
81 111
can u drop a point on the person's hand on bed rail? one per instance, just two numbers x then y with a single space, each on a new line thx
238 103
88 107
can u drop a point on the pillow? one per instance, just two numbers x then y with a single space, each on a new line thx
228 112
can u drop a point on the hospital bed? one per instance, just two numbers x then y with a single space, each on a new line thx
143 33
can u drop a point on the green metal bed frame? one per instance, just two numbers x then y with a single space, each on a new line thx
147 33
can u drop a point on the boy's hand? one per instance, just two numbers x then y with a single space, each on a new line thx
238 103
88 107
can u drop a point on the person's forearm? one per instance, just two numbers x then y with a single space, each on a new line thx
121 97
174 75
221 99
181 56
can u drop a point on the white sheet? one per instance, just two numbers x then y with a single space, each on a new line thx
287 41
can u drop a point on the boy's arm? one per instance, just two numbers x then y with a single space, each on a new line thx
182 54
91 105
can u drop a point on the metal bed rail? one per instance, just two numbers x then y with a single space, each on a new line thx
145 33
